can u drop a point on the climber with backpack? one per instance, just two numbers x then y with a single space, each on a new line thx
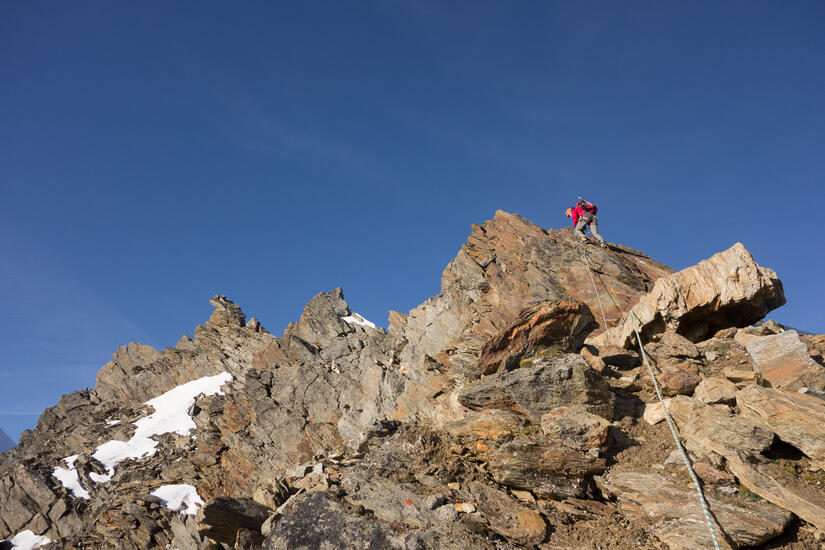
583 215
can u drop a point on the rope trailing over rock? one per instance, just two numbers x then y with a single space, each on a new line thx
636 322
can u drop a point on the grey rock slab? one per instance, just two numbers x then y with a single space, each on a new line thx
317 520
535 391
675 515
549 471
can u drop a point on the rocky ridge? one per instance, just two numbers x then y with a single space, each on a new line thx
497 414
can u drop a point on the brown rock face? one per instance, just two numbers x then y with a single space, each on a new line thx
784 361
509 264
562 325
507 517
716 390
728 289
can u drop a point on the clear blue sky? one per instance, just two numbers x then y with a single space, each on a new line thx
153 154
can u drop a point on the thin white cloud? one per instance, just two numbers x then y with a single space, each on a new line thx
247 123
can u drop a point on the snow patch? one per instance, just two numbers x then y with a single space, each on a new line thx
112 422
171 416
179 498
26 540
70 479
356 319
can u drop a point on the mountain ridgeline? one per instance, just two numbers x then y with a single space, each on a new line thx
500 413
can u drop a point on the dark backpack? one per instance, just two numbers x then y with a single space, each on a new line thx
587 207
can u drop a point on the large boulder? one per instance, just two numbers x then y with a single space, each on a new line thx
575 428
506 516
549 471
562 325
728 289
536 390
785 362
317 520
223 518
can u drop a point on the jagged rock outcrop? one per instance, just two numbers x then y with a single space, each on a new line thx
475 421
728 289
508 264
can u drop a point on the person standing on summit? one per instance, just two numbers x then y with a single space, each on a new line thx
584 215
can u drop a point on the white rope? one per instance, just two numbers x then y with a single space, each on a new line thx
592 280
670 424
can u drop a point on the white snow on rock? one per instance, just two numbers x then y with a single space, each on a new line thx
179 498
112 422
69 478
171 415
356 319
26 540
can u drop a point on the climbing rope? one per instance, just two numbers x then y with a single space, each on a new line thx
685 459
601 307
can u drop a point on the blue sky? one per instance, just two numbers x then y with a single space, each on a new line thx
154 154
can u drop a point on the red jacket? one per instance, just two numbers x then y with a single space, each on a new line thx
576 214
577 211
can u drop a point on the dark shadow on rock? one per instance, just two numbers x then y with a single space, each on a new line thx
617 441
782 450
627 404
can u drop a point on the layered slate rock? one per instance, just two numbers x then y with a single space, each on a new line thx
536 390
728 289
507 517
716 390
561 325
575 428
785 362
797 419
675 516
742 442
550 471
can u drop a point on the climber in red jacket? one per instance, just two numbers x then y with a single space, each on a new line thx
584 215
